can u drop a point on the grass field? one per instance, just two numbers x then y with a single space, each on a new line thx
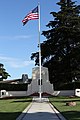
69 112
10 109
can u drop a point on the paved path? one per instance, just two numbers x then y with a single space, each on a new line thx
40 110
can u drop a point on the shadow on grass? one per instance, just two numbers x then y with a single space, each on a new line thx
71 115
65 100
28 116
21 101
14 97
9 116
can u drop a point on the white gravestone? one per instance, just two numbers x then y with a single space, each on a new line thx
3 93
77 92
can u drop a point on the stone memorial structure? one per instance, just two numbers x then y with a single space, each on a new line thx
46 87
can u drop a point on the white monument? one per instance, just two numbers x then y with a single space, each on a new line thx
46 87
77 92
3 93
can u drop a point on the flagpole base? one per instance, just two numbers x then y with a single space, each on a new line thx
40 96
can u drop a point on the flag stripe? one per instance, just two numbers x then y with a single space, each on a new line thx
31 16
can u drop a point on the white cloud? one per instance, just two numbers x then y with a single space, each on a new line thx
17 37
20 64
14 62
22 36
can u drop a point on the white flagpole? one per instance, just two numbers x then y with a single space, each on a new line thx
39 54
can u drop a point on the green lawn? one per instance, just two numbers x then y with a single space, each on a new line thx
70 112
10 109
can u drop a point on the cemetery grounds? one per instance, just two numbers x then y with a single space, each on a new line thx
10 109
69 112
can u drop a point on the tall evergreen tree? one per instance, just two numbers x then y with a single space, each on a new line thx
61 49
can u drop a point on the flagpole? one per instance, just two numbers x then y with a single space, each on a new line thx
39 53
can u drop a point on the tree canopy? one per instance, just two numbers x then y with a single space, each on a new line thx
60 52
3 73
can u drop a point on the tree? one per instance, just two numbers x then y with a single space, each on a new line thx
61 49
3 73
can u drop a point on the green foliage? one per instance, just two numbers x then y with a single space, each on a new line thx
13 87
3 73
60 52
69 86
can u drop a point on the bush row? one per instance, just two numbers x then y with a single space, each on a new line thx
13 87
70 86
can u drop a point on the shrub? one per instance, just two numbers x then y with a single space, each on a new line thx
13 87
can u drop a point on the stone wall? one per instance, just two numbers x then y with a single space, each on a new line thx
26 93
64 93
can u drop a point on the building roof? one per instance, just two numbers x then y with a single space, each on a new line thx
9 81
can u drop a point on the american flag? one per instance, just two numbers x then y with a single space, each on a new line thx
34 14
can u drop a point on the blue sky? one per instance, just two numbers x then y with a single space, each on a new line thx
18 42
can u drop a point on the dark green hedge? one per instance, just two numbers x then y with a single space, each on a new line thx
13 87
70 86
